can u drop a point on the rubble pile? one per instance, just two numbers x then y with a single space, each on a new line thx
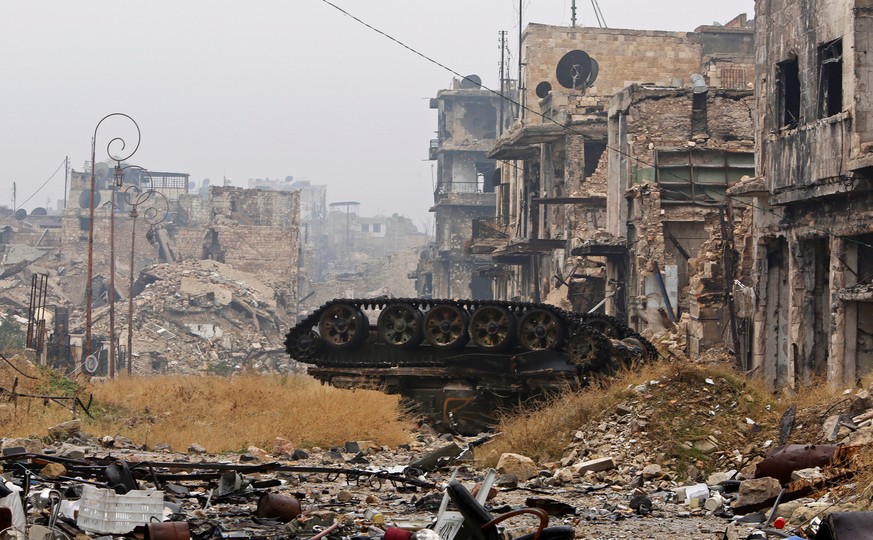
205 317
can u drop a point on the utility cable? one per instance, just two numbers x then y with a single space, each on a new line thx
64 162
570 128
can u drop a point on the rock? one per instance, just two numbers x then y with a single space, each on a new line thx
52 471
196 448
507 481
283 447
593 465
830 428
806 512
787 508
757 490
651 472
810 475
299 454
623 409
352 447
122 442
71 451
343 496
162 447
65 430
564 474
260 454
861 402
862 437
33 446
706 446
521 466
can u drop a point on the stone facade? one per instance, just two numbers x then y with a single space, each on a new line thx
558 163
813 232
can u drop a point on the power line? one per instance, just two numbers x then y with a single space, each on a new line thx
63 163
570 128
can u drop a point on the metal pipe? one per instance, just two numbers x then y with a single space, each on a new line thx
133 215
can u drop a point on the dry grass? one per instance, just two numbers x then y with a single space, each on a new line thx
222 414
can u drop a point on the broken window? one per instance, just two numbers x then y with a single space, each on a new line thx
377 227
365 227
697 176
830 78
788 92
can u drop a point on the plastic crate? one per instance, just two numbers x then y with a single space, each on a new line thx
104 511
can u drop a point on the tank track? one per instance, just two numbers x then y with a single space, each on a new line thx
603 334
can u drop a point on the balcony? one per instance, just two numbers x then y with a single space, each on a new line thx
433 149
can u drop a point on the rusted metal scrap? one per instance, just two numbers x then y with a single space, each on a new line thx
786 459
74 401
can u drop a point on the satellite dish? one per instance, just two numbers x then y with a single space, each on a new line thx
101 171
38 211
20 214
471 82
85 199
573 69
543 89
595 69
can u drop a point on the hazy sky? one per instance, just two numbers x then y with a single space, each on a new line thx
257 88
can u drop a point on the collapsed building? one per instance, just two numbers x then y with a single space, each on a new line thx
217 273
614 170
813 233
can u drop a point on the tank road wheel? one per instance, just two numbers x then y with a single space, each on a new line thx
343 326
492 328
400 325
603 325
302 345
588 348
636 349
540 329
445 326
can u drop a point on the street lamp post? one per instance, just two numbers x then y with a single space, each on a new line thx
89 286
135 197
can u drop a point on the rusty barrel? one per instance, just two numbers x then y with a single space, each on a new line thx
283 507
168 530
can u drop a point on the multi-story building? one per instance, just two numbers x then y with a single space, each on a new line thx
556 162
464 191
813 234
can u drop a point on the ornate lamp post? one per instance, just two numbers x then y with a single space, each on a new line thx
89 288
136 197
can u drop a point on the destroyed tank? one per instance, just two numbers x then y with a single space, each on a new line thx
458 362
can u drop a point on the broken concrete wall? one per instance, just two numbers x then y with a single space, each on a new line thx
675 154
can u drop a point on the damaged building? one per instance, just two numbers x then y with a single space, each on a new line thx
468 119
813 232
585 143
